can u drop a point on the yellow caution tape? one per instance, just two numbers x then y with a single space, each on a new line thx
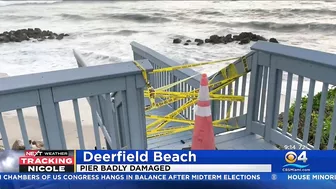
244 61
162 103
223 71
216 85
179 129
157 128
171 115
227 127
225 121
232 72
228 81
175 83
175 129
168 94
228 112
144 73
172 100
181 120
191 92
168 69
151 95
213 77
156 135
222 85
181 108
220 120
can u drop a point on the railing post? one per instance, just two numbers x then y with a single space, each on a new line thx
136 56
273 99
135 115
122 129
251 106
54 133
109 120
142 114
215 109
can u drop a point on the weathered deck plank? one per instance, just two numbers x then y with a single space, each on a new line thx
237 142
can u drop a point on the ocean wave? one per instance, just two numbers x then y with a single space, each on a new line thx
207 12
73 17
20 17
315 11
290 10
289 26
284 12
93 58
126 32
137 17
12 3
273 25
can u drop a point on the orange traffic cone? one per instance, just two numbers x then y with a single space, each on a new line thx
203 136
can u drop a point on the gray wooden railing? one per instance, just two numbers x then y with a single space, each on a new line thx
260 111
273 63
219 108
97 83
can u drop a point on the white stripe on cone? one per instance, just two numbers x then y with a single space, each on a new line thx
203 111
203 93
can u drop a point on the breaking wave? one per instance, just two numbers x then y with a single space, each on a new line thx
207 12
73 17
297 11
137 17
92 58
284 11
288 26
126 32
11 3
155 18
321 27
20 17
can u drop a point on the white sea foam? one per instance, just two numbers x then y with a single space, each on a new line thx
8 3
107 28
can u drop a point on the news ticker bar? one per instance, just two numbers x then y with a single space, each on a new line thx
80 168
179 161
251 168
172 177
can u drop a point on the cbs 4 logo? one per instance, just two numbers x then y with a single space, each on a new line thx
292 157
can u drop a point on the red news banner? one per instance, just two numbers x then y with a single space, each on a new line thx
36 161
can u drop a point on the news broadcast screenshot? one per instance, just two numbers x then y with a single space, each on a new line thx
220 168
176 94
